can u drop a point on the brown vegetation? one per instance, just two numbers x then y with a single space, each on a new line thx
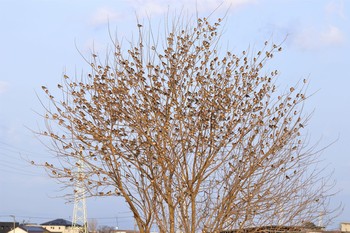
191 137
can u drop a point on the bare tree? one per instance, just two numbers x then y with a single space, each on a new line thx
191 137
92 225
105 229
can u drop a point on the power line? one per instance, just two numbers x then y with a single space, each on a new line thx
19 150
18 171
17 168
13 162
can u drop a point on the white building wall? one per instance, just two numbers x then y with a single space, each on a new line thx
61 229
71 230
345 226
17 230
55 228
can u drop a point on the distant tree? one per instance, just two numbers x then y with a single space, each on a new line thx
190 136
92 225
105 229
309 225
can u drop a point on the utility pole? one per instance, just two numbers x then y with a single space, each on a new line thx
14 223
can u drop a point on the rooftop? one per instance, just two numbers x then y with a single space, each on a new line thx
57 222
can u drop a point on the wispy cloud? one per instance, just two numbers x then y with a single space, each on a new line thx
325 29
332 36
158 7
149 7
145 8
103 15
3 86
210 5
335 8
314 38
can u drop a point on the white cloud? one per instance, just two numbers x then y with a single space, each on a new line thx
332 36
103 15
158 7
335 8
3 86
148 8
313 38
210 5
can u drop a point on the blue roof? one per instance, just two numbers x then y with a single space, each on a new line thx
33 228
57 222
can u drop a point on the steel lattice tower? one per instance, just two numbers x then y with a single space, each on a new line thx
79 220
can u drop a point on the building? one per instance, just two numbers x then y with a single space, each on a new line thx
59 226
5 227
345 226
29 229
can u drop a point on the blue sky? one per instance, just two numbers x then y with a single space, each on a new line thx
39 41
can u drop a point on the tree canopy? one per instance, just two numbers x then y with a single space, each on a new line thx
190 136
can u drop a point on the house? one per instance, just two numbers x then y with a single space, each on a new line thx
29 229
345 226
7 226
59 226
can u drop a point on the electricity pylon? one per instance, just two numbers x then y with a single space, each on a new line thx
79 220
